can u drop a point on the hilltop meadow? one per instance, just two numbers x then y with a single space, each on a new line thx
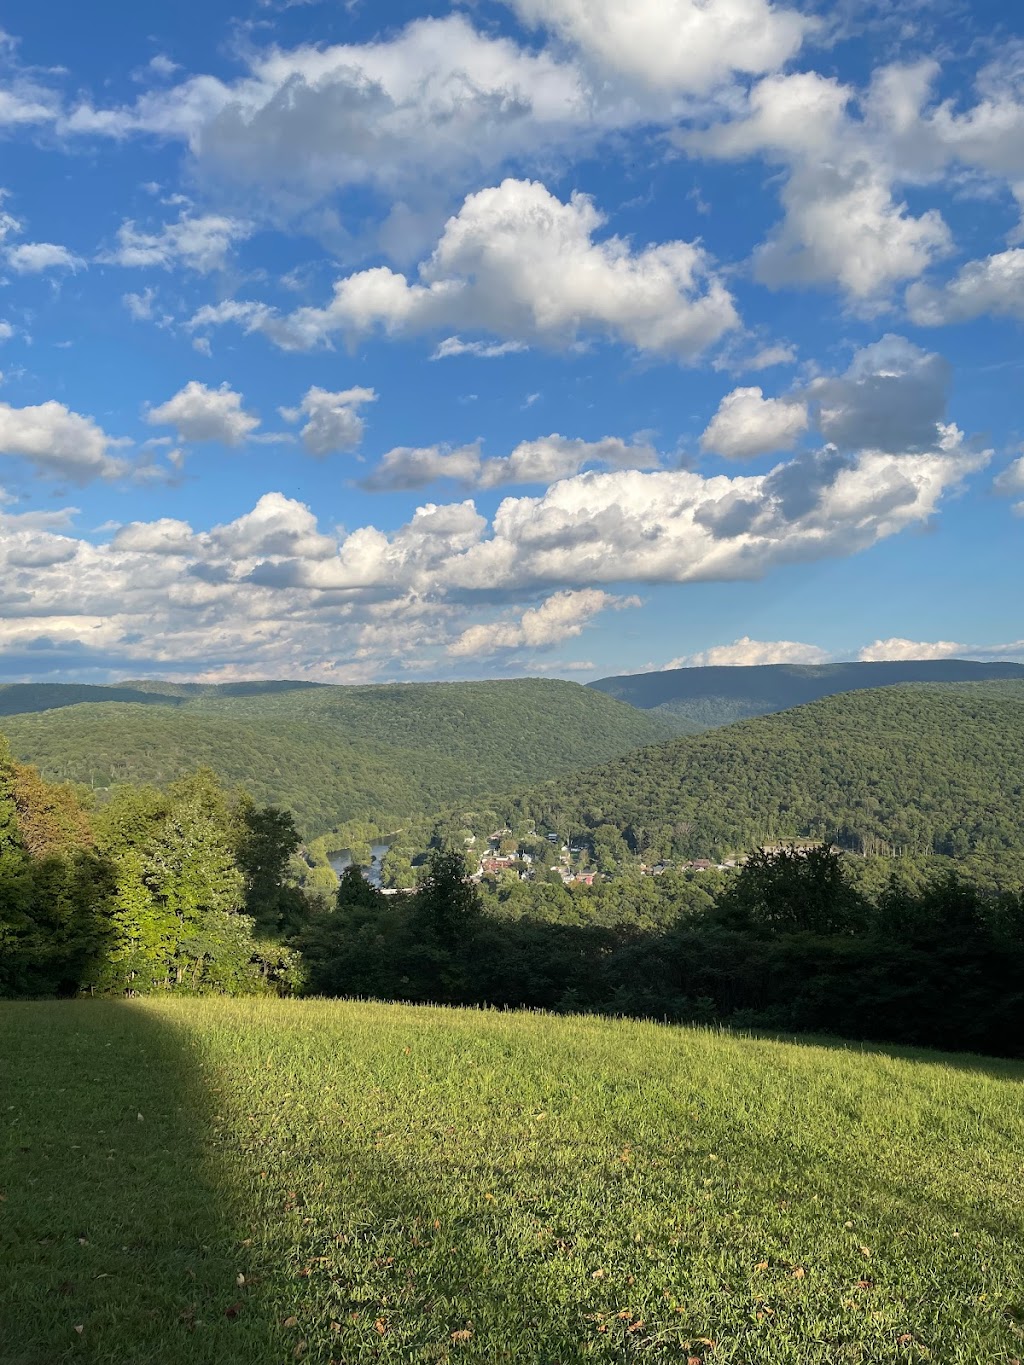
218 1181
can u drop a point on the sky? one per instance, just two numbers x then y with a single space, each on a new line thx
378 342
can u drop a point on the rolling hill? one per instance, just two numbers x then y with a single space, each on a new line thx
696 699
331 754
916 769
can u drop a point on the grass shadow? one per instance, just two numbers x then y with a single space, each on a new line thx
116 1244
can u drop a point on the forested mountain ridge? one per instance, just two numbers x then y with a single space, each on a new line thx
696 699
332 754
912 769
23 698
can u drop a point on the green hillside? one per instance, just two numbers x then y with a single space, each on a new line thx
914 769
219 1182
697 699
333 754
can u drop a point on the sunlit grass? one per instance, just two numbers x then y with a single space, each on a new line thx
231 1181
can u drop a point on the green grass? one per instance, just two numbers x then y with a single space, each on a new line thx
263 1181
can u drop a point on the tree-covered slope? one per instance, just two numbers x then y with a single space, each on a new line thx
920 769
23 698
700 698
333 754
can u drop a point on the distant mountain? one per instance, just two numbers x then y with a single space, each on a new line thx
18 699
696 699
331 754
936 769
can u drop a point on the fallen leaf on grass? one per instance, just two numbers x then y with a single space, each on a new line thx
761 1265
799 1272
463 1335
300 1350
290 1322
233 1311
79 1328
381 1326
864 1251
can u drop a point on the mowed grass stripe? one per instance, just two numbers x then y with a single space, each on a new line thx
260 1180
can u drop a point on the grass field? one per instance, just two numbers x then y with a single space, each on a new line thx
269 1181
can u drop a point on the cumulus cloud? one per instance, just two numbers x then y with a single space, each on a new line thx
993 286
897 648
518 263
561 617
165 536
59 442
748 424
843 223
408 467
674 45
203 414
269 591
542 461
746 651
436 101
32 258
335 422
201 243
893 397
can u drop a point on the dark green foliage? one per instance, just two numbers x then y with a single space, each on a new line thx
333 754
156 891
788 944
700 698
909 771
792 891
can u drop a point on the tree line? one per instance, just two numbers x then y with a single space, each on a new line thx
789 943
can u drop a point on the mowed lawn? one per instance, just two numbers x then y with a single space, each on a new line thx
268 1181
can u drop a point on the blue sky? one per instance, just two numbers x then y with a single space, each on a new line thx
379 342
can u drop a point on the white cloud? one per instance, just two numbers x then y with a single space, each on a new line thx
542 461
1010 483
335 422
746 651
166 536
562 616
435 104
408 467
203 414
518 263
6 331
140 306
748 424
843 224
200 243
676 526
32 258
487 350
59 442
900 649
682 46
559 457
269 593
994 286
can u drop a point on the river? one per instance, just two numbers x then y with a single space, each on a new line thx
339 861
